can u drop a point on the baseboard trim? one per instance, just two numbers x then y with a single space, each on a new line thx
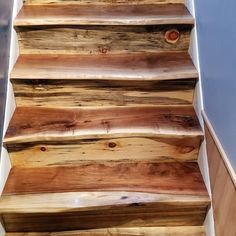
220 148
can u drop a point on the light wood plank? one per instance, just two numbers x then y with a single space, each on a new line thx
147 176
86 210
140 231
99 2
100 39
135 67
149 14
92 201
128 150
77 93
31 124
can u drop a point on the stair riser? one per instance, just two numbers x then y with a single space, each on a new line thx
113 150
102 2
100 39
133 231
163 214
76 93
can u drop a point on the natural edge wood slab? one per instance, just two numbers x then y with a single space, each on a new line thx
100 39
130 150
145 176
136 67
138 231
90 210
63 93
99 2
32 124
145 14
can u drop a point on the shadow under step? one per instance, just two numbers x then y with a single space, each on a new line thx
138 231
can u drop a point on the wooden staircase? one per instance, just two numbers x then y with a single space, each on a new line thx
104 139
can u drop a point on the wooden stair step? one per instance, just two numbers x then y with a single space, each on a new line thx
100 2
125 67
120 194
66 137
145 14
34 124
138 231
146 176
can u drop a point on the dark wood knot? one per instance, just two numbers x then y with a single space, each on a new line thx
43 149
172 36
111 145
103 50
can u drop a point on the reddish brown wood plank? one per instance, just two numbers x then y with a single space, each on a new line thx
145 14
140 66
31 124
99 2
165 178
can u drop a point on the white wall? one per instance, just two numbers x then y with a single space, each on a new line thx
198 105
5 164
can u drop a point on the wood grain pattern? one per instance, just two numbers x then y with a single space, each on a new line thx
192 216
99 39
166 178
90 93
91 210
139 231
224 205
135 67
30 124
145 14
83 202
130 150
99 2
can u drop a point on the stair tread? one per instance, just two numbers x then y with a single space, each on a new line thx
147 176
140 66
145 14
134 231
31 124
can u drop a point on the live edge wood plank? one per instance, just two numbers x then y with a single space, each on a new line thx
102 93
100 39
138 231
30 124
126 67
145 14
98 2
164 178
129 150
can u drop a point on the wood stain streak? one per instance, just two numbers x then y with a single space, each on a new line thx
164 178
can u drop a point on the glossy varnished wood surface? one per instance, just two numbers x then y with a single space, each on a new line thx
140 66
93 201
145 14
102 93
99 2
167 178
100 39
30 124
139 231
